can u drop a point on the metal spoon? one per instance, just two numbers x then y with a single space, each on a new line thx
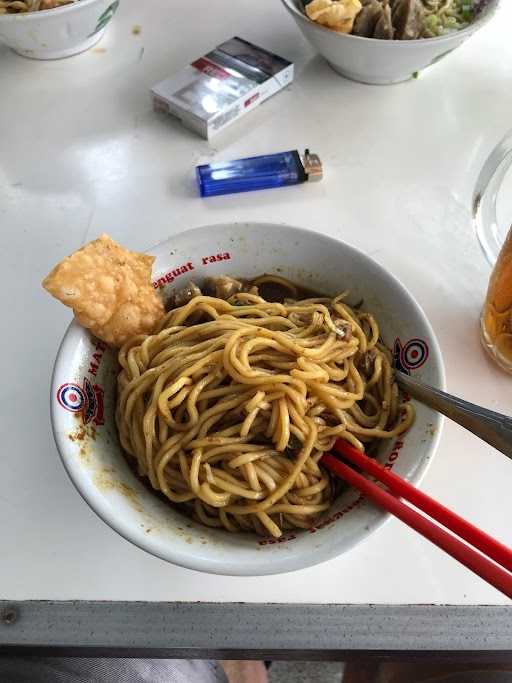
494 428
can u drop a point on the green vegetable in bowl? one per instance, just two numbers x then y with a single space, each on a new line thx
444 16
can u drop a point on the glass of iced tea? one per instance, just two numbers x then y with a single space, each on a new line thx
496 319
492 213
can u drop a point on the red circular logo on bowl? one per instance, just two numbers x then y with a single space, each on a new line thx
71 397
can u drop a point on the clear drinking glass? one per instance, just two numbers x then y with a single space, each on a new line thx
492 215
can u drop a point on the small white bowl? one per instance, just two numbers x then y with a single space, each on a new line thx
84 388
59 32
381 62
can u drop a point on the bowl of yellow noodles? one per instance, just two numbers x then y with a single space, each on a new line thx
201 443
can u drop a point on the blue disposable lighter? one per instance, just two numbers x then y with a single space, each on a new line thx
258 173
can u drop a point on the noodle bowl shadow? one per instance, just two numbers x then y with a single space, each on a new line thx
381 62
84 390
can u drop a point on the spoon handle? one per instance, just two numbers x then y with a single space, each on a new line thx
494 428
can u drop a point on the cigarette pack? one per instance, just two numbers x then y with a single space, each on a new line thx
222 86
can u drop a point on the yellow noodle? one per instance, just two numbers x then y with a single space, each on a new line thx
230 406
20 6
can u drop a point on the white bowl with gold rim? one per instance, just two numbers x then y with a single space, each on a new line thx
84 387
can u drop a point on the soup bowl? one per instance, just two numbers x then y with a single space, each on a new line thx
381 62
59 32
83 396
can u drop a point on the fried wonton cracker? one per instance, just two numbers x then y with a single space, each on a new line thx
109 289
337 15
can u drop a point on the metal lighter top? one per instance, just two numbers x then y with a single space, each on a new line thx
258 173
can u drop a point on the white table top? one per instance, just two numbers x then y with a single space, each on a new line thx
82 152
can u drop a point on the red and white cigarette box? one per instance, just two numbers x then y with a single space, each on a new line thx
222 86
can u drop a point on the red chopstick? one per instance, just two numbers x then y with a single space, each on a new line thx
473 560
470 533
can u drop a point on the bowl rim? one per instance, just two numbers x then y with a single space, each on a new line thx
45 13
232 565
479 22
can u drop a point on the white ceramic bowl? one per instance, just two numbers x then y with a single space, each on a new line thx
83 396
380 62
59 32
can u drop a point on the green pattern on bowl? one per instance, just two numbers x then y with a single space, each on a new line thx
105 17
